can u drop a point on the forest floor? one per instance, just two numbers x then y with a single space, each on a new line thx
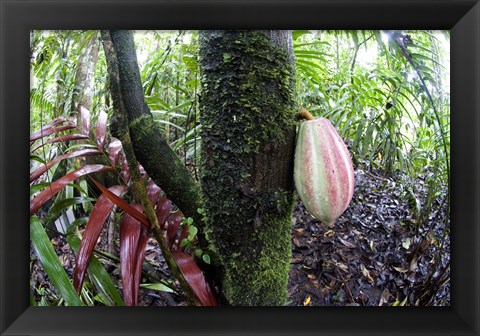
376 254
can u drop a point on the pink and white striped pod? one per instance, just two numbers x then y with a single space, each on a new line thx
323 171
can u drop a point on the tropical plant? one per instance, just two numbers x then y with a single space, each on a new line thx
386 92
134 227
394 107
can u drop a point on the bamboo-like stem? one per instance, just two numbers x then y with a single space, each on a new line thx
138 188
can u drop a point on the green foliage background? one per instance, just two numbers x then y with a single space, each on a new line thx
387 93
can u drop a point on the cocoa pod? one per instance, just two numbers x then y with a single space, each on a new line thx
323 170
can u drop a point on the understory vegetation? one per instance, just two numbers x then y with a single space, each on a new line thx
386 92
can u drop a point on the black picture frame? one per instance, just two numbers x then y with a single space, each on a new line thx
18 17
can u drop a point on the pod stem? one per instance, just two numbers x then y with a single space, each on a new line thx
303 113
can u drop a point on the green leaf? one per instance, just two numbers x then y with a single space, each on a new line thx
192 230
37 158
158 286
367 139
190 62
37 187
226 57
171 124
99 276
76 223
298 45
297 33
198 252
87 206
156 103
180 106
51 264
59 206
206 258
359 134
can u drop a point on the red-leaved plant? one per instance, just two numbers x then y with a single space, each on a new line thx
135 228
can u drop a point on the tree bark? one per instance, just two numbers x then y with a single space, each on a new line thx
140 193
248 137
151 149
84 75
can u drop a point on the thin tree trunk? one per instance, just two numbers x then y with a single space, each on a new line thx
60 76
83 94
248 135
84 76
115 60
151 149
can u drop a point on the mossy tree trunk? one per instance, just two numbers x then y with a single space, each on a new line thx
248 108
151 148
248 137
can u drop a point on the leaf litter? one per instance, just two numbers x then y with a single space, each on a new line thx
375 255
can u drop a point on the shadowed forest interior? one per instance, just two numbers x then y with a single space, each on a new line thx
170 168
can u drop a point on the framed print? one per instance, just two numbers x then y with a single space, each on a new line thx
458 311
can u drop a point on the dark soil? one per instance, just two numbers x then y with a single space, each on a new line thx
376 254
379 253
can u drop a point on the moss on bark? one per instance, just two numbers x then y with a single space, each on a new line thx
248 134
151 149
164 166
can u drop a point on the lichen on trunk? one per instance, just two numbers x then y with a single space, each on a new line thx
248 136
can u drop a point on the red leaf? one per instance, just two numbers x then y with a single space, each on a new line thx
102 209
164 206
141 249
133 242
54 122
84 152
129 236
173 225
101 130
85 117
124 205
46 132
114 149
58 185
62 138
153 192
57 121
195 278
125 169
142 170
